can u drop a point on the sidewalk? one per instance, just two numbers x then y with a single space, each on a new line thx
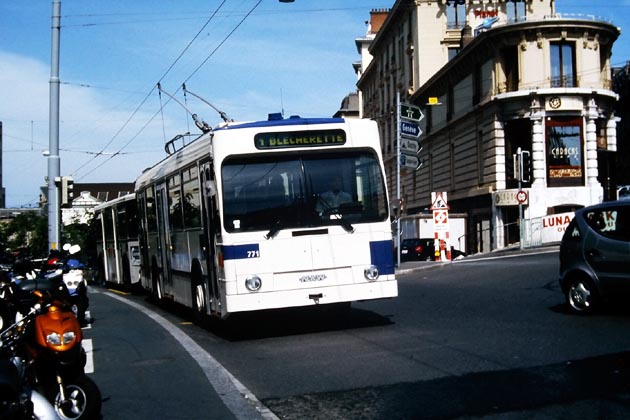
410 266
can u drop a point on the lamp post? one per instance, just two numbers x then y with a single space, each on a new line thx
53 124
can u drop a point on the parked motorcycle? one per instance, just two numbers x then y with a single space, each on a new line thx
53 348
71 271
18 401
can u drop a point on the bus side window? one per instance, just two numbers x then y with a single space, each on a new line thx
191 199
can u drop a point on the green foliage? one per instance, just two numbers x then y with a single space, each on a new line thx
27 233
84 235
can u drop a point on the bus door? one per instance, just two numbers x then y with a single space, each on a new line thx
143 238
161 198
210 229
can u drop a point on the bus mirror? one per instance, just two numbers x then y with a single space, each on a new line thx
211 189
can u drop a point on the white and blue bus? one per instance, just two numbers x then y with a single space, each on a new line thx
242 218
117 246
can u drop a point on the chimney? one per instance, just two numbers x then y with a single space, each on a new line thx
467 36
377 18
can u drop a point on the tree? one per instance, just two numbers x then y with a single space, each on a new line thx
26 233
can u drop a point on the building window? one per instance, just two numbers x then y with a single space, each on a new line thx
480 158
450 103
515 9
518 134
476 85
602 134
455 14
452 166
509 62
565 161
452 52
562 64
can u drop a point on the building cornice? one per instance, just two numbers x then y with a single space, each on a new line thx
501 35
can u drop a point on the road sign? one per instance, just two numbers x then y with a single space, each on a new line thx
521 197
409 145
439 201
410 161
411 112
410 129
440 217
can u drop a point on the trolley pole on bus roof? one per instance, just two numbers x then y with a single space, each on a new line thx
54 166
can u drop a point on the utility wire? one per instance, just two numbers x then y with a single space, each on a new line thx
145 99
189 77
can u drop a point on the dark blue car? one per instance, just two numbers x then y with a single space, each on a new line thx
595 255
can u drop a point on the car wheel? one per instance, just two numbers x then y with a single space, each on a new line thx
581 296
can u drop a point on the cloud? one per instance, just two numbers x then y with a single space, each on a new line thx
89 121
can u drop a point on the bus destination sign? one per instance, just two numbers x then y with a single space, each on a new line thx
285 140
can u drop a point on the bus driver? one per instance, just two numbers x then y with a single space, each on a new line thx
334 197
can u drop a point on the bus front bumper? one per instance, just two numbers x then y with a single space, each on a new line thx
254 301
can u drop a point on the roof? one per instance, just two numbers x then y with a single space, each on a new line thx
104 191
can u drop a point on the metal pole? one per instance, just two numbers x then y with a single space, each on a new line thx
398 175
519 165
54 166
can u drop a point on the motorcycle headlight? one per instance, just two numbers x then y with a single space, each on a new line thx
68 337
55 339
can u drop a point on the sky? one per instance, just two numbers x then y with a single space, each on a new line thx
247 58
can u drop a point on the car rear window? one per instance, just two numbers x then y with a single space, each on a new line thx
613 222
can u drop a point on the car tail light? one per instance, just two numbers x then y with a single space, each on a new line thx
419 249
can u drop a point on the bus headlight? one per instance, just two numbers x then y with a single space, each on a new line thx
253 283
371 273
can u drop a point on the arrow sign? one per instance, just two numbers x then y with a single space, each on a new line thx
410 161
411 112
409 145
410 129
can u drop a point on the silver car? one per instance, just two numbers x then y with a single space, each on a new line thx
595 255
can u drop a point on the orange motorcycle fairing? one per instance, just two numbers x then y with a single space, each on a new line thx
58 329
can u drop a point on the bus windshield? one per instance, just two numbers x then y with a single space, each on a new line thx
272 192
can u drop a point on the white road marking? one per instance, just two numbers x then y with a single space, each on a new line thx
87 346
237 398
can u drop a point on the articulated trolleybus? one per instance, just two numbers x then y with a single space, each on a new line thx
117 245
271 214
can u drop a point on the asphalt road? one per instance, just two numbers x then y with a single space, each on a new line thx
478 338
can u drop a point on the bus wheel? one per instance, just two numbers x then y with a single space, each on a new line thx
198 300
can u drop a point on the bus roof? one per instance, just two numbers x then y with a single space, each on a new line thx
110 203
277 121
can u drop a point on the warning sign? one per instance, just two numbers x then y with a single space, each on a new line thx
440 210
438 201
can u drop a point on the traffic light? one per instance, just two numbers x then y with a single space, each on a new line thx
67 191
526 166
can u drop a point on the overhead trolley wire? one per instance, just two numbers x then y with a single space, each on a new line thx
164 75
100 153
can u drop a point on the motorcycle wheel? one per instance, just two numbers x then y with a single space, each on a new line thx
83 400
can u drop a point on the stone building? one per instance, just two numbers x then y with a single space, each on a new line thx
508 76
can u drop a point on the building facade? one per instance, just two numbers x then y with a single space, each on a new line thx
509 76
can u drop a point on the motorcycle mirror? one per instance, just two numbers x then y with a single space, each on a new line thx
74 249
66 247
